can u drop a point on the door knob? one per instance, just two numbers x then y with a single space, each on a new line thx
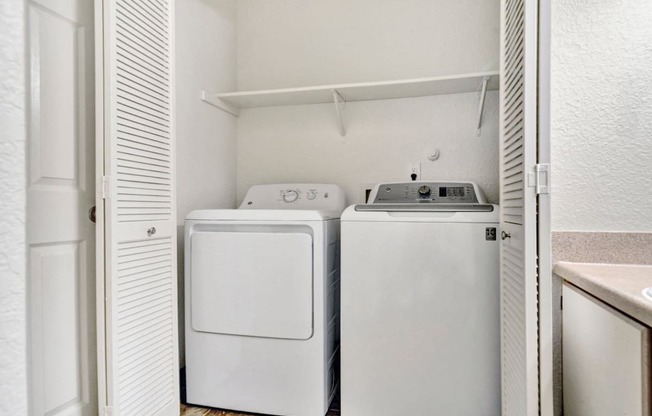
505 235
92 214
151 231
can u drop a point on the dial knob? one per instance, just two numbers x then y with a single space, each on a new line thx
290 196
424 190
311 195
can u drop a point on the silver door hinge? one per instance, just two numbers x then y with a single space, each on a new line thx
106 187
540 178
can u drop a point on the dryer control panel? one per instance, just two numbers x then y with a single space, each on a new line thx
427 192
306 196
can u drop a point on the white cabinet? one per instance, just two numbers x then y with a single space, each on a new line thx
606 355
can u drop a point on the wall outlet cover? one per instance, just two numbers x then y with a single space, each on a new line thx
414 171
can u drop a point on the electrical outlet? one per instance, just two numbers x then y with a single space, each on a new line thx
365 192
414 169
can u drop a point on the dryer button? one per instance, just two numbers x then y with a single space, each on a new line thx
290 196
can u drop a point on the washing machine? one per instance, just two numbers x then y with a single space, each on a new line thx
420 302
261 301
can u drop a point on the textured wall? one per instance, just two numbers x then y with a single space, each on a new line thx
285 43
602 115
13 382
206 149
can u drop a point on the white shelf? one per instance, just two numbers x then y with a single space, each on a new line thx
232 102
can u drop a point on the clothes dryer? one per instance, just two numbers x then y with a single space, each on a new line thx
261 307
420 302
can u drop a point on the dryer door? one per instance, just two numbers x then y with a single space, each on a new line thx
252 283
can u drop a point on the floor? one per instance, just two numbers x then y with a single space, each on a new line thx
187 410
204 411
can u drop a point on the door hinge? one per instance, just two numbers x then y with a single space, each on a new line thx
108 411
106 187
540 178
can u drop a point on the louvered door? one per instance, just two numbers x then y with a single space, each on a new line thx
140 290
518 150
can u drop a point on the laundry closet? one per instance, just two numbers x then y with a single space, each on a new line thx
346 92
351 93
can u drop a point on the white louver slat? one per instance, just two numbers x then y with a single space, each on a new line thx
142 55
518 140
140 328
144 310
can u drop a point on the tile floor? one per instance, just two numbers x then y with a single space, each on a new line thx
187 410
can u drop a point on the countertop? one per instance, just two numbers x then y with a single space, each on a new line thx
618 285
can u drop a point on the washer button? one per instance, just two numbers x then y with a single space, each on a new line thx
424 190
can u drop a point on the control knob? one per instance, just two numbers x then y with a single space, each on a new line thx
424 190
290 196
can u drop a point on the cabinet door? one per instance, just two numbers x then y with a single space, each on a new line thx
605 359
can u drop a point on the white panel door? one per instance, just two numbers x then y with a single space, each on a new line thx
61 190
139 361
518 156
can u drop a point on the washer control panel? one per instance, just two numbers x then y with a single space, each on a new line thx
295 196
427 192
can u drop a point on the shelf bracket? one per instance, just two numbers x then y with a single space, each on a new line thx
219 103
483 95
339 111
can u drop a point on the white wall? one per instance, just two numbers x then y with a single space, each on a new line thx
206 148
602 115
302 143
13 349
285 43
293 43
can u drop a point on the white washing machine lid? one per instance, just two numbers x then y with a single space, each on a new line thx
262 215
351 214
432 201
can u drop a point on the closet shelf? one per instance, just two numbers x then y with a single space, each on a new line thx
339 94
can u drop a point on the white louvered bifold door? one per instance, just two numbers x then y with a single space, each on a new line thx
518 146
141 373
